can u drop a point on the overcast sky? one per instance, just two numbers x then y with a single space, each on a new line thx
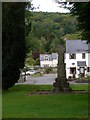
47 6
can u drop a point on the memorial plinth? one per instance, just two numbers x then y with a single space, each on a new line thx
60 84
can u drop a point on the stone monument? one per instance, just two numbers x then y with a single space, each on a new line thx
60 84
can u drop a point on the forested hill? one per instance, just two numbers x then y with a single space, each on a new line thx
48 30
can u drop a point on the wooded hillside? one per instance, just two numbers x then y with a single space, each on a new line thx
48 30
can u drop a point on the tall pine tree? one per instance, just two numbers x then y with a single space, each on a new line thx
13 42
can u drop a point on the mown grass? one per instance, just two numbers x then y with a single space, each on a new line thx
17 103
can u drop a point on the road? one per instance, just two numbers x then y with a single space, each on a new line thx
47 79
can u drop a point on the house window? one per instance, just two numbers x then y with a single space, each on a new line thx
72 56
88 69
46 65
46 58
72 70
73 63
83 55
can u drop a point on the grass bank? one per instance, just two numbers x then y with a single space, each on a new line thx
16 104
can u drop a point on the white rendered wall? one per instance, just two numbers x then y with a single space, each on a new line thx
88 59
46 62
88 63
70 61
54 63
49 63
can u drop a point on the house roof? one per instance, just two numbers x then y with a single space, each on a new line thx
73 46
54 55
51 56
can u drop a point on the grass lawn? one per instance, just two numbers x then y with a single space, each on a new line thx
18 105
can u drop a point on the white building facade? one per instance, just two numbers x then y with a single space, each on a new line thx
49 60
77 59
88 66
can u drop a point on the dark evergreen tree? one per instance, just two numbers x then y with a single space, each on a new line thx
13 42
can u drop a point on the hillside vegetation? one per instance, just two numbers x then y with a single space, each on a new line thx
48 30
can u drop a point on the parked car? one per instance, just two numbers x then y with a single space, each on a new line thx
22 73
30 72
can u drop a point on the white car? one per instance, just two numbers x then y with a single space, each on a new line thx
30 72
22 73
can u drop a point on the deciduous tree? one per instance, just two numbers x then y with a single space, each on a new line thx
81 10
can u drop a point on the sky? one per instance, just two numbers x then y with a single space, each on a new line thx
47 6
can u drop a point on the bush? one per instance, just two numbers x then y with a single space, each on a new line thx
48 70
70 77
86 78
73 75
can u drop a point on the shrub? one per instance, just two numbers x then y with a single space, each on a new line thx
88 77
73 75
70 77
48 70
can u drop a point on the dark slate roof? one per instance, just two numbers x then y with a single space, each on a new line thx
73 46
89 48
81 63
54 55
42 56
51 56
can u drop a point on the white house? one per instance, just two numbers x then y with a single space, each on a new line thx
77 58
49 60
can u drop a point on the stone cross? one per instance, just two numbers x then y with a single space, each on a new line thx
60 84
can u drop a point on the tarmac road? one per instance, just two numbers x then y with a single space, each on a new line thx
47 79
42 80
